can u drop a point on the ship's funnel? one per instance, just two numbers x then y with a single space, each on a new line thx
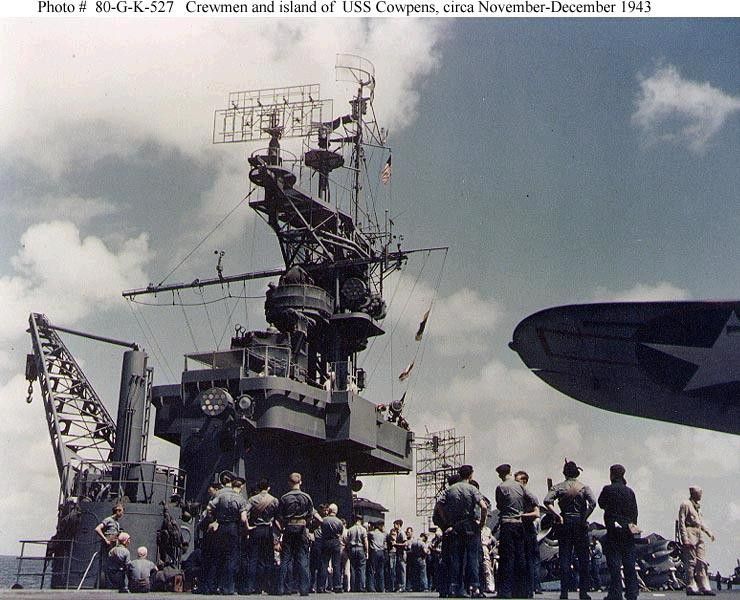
131 409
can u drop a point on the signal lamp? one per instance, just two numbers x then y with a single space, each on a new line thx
214 401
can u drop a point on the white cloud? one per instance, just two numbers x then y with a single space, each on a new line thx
73 208
23 436
671 108
687 452
641 292
733 512
66 276
187 69
458 324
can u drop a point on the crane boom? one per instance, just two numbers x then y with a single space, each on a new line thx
79 425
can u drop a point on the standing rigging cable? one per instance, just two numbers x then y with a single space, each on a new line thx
151 341
187 323
208 318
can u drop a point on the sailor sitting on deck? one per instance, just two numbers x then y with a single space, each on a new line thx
140 571
119 559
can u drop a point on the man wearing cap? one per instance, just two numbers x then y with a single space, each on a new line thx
531 524
459 504
620 512
576 502
295 510
229 510
692 534
119 560
511 500
358 554
262 508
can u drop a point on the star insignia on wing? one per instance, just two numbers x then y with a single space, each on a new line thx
718 364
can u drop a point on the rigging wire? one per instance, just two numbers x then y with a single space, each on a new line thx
229 316
199 244
390 303
187 322
370 193
421 348
249 264
208 318
152 341
403 310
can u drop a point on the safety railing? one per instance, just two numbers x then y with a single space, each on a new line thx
138 481
260 360
43 569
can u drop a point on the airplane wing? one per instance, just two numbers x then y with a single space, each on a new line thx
672 361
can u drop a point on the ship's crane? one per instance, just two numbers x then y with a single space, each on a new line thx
80 427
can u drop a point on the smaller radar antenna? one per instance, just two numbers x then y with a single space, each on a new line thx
356 69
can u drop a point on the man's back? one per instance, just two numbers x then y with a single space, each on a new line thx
619 504
140 571
357 535
262 508
576 500
332 528
227 505
512 499
460 501
295 504
376 540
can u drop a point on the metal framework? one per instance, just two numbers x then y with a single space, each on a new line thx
251 115
438 455
79 425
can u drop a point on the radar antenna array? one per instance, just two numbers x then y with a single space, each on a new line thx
438 455
294 111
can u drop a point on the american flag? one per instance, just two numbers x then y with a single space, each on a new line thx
385 174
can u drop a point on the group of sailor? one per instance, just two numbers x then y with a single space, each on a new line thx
121 572
286 545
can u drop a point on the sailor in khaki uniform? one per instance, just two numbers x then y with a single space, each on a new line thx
692 533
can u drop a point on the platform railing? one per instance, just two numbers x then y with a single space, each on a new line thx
263 360
139 481
48 564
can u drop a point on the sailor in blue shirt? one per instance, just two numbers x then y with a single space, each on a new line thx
295 510
459 504
511 500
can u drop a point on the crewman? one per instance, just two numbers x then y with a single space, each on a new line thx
576 502
332 530
140 572
459 503
358 554
110 527
692 534
620 518
376 559
417 553
441 519
295 511
531 522
229 510
119 559
262 509
208 572
108 530
511 500
392 556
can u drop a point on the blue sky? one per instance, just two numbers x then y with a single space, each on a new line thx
561 160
